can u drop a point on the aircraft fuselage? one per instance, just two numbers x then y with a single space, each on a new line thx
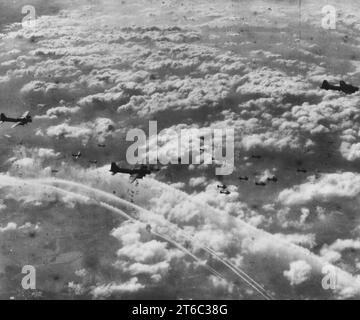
21 121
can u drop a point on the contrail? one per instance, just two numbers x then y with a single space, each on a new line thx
212 270
16 182
166 239
344 279
111 197
290 250
241 274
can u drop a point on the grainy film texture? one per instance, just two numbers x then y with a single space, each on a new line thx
198 149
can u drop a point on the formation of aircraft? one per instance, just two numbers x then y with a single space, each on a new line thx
21 121
143 170
135 174
223 189
272 178
343 87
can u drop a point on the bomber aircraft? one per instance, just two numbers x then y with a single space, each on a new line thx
23 120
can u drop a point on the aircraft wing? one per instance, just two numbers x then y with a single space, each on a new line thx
134 177
127 171
16 125
26 114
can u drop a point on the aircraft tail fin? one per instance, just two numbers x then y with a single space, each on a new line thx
114 168
2 117
325 85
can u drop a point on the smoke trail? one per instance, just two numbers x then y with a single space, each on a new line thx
15 182
241 274
166 239
345 280
212 270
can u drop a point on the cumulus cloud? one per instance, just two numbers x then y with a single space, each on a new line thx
87 75
298 273
104 291
10 226
329 186
100 129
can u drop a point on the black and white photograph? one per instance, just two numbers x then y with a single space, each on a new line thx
182 150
